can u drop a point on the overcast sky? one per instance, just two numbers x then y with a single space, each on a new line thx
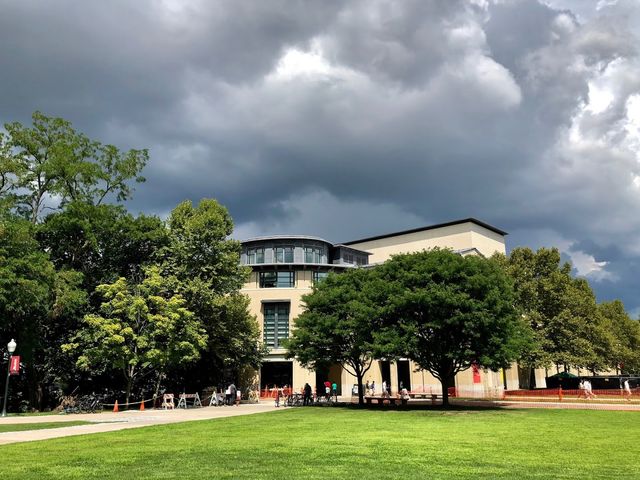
346 119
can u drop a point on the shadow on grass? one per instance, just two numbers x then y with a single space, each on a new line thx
410 408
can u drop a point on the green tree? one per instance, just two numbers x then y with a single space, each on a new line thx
141 329
104 242
625 346
446 312
50 164
37 306
339 324
206 264
561 311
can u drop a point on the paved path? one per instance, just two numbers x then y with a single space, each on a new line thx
109 422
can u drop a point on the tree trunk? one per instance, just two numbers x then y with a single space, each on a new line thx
158 383
128 394
360 392
445 382
130 375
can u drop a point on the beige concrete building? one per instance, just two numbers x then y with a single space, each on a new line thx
286 267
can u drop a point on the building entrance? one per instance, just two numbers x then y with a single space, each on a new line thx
276 373
333 374
404 374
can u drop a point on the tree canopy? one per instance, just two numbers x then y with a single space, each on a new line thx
447 312
339 324
139 329
70 256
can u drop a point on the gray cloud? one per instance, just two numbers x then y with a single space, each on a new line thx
350 119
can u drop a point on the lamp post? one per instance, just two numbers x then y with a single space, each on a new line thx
11 347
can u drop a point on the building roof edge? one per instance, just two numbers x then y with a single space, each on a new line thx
430 227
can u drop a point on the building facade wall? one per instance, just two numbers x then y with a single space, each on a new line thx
467 237
456 237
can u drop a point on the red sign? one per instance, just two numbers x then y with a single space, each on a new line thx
476 373
14 365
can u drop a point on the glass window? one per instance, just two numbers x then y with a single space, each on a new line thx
277 279
348 257
255 255
312 255
276 323
284 254
319 276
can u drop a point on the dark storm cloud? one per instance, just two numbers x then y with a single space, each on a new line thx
347 119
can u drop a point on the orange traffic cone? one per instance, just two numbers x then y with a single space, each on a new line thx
115 407
142 406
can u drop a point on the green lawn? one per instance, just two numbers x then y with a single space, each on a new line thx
19 427
347 443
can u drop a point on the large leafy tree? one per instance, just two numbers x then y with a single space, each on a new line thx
446 312
206 265
141 329
104 242
339 324
624 353
36 305
561 311
50 163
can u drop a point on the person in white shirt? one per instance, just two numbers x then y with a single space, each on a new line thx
626 390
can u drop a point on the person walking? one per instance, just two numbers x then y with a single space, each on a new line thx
373 388
334 391
588 391
367 388
384 388
581 390
327 390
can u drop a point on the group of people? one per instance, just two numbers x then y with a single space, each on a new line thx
308 396
586 390
370 388
231 395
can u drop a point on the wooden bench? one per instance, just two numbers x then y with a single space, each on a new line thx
380 400
185 397
433 396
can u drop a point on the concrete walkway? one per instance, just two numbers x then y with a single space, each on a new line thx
109 422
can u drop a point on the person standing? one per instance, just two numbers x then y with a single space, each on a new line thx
307 394
367 388
334 391
384 388
626 390
278 392
373 388
234 394
227 396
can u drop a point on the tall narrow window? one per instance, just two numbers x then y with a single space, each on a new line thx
255 255
312 255
284 254
276 323
319 276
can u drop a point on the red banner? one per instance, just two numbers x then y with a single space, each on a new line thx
14 365
476 373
